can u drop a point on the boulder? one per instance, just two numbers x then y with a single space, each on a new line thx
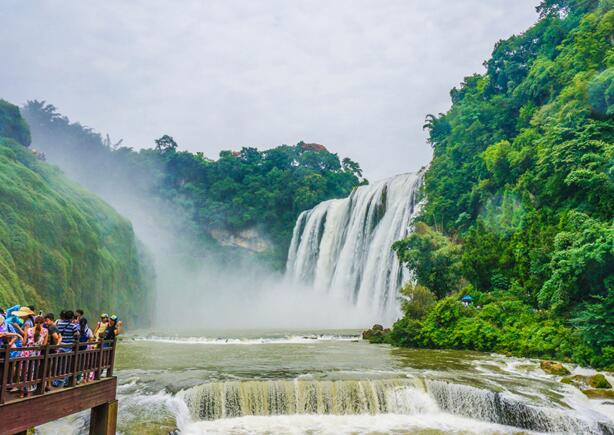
599 394
598 381
553 368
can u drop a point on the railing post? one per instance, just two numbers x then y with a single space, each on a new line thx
5 373
44 368
112 358
73 379
98 374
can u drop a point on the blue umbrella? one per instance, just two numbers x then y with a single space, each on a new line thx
467 298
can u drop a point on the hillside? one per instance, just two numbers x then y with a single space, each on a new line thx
60 246
520 199
247 199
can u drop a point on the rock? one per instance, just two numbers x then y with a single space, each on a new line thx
599 394
598 381
553 368
249 239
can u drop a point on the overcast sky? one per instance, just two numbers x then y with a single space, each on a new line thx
357 76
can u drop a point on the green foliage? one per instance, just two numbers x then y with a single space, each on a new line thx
417 300
522 183
581 262
12 125
435 260
61 247
596 322
265 190
504 325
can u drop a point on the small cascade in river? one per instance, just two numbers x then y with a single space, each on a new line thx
344 246
402 396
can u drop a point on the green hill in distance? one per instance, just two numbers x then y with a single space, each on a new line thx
60 246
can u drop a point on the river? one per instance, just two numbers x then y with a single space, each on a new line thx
330 382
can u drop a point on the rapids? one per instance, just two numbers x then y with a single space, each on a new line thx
330 382
343 246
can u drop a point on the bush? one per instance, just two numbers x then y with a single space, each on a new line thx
416 300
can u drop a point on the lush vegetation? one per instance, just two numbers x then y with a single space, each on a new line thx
520 199
61 247
246 189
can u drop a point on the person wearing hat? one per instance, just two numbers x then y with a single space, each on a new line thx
21 322
101 327
26 314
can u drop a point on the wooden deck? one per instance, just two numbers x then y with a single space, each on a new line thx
84 372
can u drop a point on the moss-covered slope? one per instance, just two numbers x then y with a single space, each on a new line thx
60 246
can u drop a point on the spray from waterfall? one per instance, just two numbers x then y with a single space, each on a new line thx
343 247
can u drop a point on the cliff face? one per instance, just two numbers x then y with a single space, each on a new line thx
60 246
249 239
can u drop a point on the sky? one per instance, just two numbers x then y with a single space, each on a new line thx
358 76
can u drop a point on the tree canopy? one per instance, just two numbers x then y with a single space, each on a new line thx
242 189
520 192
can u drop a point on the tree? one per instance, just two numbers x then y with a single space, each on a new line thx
416 300
166 144
433 258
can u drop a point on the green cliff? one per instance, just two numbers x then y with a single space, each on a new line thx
60 246
519 205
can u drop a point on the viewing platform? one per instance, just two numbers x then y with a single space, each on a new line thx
85 368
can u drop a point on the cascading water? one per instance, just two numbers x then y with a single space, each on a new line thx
344 246
404 396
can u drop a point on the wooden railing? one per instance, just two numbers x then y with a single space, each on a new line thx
44 364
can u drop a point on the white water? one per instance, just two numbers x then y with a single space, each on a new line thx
343 246
325 382
287 339
431 399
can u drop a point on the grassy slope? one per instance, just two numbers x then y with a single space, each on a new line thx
61 247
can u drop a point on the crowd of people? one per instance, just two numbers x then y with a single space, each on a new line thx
21 328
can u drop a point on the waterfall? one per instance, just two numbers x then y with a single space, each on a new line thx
401 396
344 246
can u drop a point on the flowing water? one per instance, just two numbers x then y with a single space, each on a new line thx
344 246
341 269
330 382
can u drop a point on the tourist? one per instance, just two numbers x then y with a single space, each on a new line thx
101 327
14 326
70 335
24 320
85 333
68 330
6 338
85 336
78 314
18 325
54 337
32 316
36 336
113 328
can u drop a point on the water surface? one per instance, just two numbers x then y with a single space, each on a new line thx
330 382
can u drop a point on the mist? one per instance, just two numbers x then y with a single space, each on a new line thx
195 285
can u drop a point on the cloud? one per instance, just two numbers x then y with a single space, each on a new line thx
358 76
